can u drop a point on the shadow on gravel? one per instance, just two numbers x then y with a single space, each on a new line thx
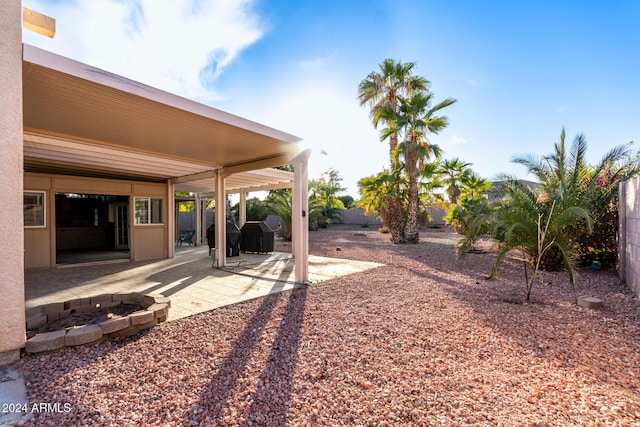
272 398
274 386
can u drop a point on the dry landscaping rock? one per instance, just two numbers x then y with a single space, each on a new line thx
422 341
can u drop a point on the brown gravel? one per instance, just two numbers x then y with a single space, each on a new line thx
424 340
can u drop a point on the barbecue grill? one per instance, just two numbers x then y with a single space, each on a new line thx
233 239
257 236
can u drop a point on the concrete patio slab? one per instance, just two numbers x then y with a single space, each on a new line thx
188 279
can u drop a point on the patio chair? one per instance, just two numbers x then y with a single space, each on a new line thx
186 238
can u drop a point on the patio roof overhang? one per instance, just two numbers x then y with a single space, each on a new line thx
80 120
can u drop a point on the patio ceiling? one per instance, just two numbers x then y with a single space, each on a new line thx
79 120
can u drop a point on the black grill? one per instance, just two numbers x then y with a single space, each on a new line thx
233 239
257 237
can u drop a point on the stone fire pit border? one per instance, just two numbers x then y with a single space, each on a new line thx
155 309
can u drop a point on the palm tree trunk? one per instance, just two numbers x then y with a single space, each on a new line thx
393 144
412 230
395 220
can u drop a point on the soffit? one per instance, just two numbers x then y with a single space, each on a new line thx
80 120
45 154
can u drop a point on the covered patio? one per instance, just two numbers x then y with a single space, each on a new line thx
74 132
187 279
80 121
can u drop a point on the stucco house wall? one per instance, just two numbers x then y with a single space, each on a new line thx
12 315
148 241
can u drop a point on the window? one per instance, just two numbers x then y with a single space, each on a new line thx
34 208
148 210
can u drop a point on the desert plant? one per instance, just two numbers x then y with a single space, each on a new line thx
416 119
523 221
566 178
279 204
383 91
453 173
383 195
256 210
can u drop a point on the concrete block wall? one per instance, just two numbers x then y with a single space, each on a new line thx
357 217
629 234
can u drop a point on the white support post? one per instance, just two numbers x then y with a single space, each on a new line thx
243 208
171 219
203 219
221 219
198 209
300 218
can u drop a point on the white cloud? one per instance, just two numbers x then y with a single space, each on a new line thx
169 45
456 139
318 62
180 46
328 118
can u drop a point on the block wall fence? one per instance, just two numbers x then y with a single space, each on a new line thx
629 234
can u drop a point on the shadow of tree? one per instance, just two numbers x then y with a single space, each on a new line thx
276 378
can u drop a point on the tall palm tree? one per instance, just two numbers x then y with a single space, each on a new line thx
383 90
416 118
454 172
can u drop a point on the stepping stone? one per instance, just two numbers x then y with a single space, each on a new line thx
589 302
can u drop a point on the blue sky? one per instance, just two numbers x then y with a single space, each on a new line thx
520 70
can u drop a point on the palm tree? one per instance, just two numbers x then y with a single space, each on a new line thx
548 223
454 172
473 186
566 178
279 204
382 91
416 118
380 193
523 221
429 185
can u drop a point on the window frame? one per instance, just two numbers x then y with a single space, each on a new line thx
43 194
150 212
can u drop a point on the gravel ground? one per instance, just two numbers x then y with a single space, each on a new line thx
424 340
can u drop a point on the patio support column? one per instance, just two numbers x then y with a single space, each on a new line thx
171 219
12 316
243 208
300 218
221 219
198 208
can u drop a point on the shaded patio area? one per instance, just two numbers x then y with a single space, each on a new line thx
188 279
